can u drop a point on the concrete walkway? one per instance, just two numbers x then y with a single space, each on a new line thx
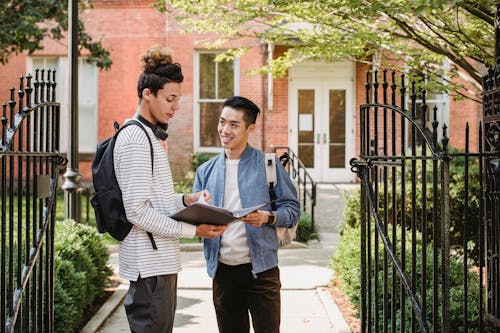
307 306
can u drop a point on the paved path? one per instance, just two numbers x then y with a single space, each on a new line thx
306 306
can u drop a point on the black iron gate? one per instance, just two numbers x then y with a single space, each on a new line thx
422 220
29 168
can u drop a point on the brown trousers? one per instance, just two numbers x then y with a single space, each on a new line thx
236 292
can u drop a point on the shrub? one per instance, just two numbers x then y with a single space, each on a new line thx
69 291
346 264
304 233
200 158
81 272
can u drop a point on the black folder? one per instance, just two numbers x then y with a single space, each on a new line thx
199 213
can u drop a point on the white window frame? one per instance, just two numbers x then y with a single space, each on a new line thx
62 97
442 101
196 105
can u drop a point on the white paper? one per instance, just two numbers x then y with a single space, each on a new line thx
305 122
202 200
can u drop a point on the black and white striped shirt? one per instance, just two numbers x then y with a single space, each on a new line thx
148 201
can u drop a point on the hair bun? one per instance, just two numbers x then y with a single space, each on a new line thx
155 57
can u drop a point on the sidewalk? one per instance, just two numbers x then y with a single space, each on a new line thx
306 305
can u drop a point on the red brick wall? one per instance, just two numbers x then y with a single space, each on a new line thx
277 120
128 33
10 76
128 28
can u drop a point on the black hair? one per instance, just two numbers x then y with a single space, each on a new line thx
250 110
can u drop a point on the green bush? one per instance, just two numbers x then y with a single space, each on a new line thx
81 272
346 264
304 233
200 158
69 295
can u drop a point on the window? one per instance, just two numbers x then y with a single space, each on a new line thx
215 81
432 100
87 99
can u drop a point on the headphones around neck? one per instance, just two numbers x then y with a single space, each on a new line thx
159 130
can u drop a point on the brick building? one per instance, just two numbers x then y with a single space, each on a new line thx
313 109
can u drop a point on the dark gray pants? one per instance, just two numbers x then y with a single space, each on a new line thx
150 304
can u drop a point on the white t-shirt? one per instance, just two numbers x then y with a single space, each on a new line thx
234 248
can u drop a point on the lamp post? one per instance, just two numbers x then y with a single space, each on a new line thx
71 183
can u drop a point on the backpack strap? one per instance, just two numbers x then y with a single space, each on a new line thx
138 123
271 178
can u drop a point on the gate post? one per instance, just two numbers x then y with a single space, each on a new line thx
445 234
72 177
491 164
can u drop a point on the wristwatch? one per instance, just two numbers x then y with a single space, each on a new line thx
271 218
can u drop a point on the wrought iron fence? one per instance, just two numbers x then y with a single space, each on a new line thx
422 260
29 168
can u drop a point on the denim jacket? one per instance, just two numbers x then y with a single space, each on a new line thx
253 189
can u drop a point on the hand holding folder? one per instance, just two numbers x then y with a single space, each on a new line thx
203 213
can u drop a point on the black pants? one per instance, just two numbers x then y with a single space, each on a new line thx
236 292
150 304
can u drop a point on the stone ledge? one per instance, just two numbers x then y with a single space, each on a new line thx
338 322
106 310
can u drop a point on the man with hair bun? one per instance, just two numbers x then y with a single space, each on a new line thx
149 257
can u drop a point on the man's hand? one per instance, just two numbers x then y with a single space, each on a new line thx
192 198
209 230
256 219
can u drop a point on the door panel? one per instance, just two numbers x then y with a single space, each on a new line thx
336 145
305 110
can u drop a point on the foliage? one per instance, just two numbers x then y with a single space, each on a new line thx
69 292
420 33
346 264
200 158
351 215
81 272
304 233
24 25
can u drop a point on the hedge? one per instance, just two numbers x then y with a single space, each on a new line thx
80 272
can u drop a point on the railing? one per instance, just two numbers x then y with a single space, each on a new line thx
305 183
29 167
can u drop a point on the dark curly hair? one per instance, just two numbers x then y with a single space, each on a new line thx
158 69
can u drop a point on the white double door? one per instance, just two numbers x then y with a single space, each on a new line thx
322 126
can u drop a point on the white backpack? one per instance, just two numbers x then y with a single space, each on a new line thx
285 235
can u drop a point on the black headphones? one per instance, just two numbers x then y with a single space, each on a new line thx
159 130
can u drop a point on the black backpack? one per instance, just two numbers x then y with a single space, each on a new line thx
107 201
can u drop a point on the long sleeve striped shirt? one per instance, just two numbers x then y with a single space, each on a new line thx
149 200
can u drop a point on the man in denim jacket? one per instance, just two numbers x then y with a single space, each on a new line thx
243 262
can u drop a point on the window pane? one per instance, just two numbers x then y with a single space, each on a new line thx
87 107
87 135
207 76
87 83
337 128
225 79
209 118
306 126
